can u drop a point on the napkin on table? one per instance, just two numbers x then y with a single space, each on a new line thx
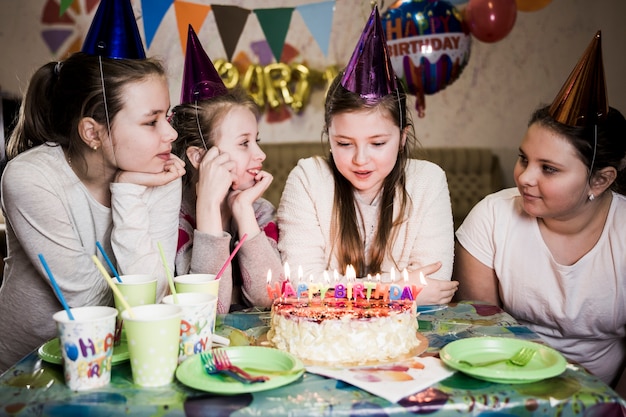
392 381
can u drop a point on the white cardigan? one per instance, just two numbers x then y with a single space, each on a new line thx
48 210
304 218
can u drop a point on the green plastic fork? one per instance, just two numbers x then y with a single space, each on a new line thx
521 358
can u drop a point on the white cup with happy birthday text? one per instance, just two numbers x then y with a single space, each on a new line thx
86 345
197 322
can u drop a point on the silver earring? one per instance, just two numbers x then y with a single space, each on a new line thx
591 197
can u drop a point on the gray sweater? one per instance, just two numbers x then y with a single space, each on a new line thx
48 210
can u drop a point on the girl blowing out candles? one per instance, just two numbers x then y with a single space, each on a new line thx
367 204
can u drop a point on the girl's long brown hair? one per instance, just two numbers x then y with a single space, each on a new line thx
345 231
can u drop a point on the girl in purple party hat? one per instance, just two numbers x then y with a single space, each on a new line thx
90 161
218 140
367 204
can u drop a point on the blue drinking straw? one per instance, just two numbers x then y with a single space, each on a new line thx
57 290
108 261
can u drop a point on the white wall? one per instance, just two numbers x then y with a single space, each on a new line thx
488 106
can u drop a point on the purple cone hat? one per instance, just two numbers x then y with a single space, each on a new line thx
369 72
200 78
113 32
582 100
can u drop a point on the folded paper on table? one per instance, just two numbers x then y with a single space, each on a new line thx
392 382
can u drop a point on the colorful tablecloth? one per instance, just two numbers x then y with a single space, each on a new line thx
35 388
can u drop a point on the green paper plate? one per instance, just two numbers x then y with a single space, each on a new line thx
51 352
546 363
191 372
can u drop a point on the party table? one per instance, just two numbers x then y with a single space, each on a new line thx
33 387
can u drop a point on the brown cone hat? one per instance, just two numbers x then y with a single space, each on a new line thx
582 100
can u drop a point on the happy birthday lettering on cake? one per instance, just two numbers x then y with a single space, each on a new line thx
352 290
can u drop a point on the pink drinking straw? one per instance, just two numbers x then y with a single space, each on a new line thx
232 255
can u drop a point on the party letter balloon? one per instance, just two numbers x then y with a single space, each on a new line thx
429 45
490 21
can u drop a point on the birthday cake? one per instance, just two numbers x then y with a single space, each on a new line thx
343 332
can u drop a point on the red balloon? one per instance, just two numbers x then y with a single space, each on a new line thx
490 20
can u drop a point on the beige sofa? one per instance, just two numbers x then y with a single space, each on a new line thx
472 172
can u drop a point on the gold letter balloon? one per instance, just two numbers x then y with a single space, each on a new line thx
278 84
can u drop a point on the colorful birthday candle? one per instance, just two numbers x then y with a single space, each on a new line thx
275 292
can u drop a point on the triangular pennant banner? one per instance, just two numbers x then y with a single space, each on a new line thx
52 15
65 4
91 5
318 17
153 12
230 22
189 14
275 24
54 38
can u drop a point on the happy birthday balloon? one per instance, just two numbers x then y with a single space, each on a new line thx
429 45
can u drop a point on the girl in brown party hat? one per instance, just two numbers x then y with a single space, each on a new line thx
367 204
90 161
552 252
218 140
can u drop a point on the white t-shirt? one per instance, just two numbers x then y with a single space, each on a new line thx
579 309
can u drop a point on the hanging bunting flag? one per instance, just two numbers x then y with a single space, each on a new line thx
65 4
153 12
54 38
189 14
52 15
275 24
230 22
318 17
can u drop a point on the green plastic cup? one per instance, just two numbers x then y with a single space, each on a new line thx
86 345
152 336
205 283
137 290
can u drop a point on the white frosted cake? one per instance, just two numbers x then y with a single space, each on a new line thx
344 332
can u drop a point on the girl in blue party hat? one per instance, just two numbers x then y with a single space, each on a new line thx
367 204
223 187
90 161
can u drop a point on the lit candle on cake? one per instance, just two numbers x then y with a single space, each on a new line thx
275 292
301 287
324 286
287 273
419 289
287 288
407 294
350 278
381 290
369 285
394 290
